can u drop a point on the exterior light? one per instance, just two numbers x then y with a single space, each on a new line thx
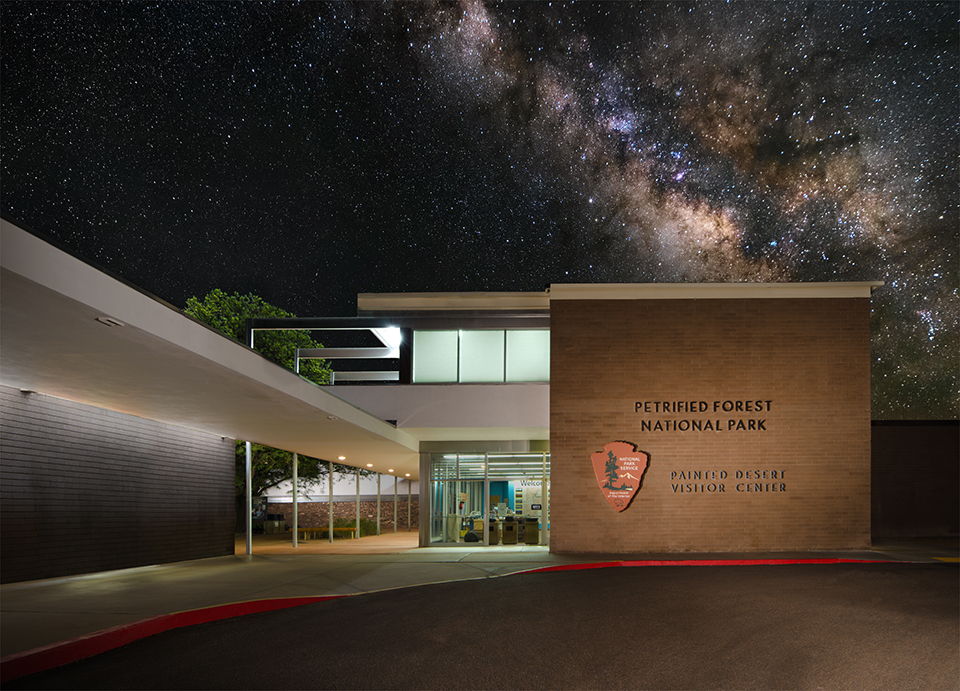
407 475
110 321
342 458
369 465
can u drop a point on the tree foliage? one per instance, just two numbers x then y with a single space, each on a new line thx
271 467
228 314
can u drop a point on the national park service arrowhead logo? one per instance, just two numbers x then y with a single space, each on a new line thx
619 469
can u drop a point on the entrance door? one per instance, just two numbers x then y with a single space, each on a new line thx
456 511
494 498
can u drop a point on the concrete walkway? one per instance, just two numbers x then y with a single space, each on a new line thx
40 613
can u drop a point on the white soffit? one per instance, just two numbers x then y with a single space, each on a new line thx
159 364
710 291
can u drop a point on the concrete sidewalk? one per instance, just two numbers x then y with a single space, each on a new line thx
40 613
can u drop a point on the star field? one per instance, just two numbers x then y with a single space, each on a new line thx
310 151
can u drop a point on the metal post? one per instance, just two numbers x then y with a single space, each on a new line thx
330 502
358 504
486 502
395 481
295 469
248 469
409 502
378 503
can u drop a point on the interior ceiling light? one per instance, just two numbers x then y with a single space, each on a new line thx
110 321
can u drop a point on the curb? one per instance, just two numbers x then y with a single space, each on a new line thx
62 653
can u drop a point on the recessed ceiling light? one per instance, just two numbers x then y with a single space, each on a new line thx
390 471
342 458
332 417
110 321
369 465
407 475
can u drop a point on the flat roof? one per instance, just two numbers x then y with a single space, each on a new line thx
454 302
710 291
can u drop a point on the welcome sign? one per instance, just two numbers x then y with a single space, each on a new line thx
619 469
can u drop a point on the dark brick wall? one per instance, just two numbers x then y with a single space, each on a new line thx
86 489
916 479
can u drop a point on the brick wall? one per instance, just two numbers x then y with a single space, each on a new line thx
810 358
86 489
314 514
916 478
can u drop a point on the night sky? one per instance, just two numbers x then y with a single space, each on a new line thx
311 151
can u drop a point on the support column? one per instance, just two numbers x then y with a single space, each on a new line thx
330 502
358 504
378 503
395 481
248 470
295 471
544 505
409 503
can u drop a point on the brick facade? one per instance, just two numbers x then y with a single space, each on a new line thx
805 360
87 489
916 477
314 514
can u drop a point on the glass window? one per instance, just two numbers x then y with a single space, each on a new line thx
434 357
528 356
481 356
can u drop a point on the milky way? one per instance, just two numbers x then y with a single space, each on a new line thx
311 151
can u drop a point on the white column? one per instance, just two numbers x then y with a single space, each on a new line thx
248 469
330 501
295 470
395 481
409 503
378 503
358 504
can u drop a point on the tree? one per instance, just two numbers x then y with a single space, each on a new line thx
229 314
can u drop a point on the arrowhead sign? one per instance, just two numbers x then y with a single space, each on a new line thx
619 469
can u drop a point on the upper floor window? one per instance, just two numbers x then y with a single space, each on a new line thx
481 356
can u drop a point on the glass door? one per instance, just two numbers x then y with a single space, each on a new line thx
490 499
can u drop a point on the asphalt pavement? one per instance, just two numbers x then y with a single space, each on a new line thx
845 625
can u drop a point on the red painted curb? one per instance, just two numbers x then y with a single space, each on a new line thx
64 652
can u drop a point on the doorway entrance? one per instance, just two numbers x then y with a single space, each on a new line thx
489 498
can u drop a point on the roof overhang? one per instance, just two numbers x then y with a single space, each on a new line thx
155 362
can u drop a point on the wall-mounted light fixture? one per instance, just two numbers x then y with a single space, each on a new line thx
110 321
